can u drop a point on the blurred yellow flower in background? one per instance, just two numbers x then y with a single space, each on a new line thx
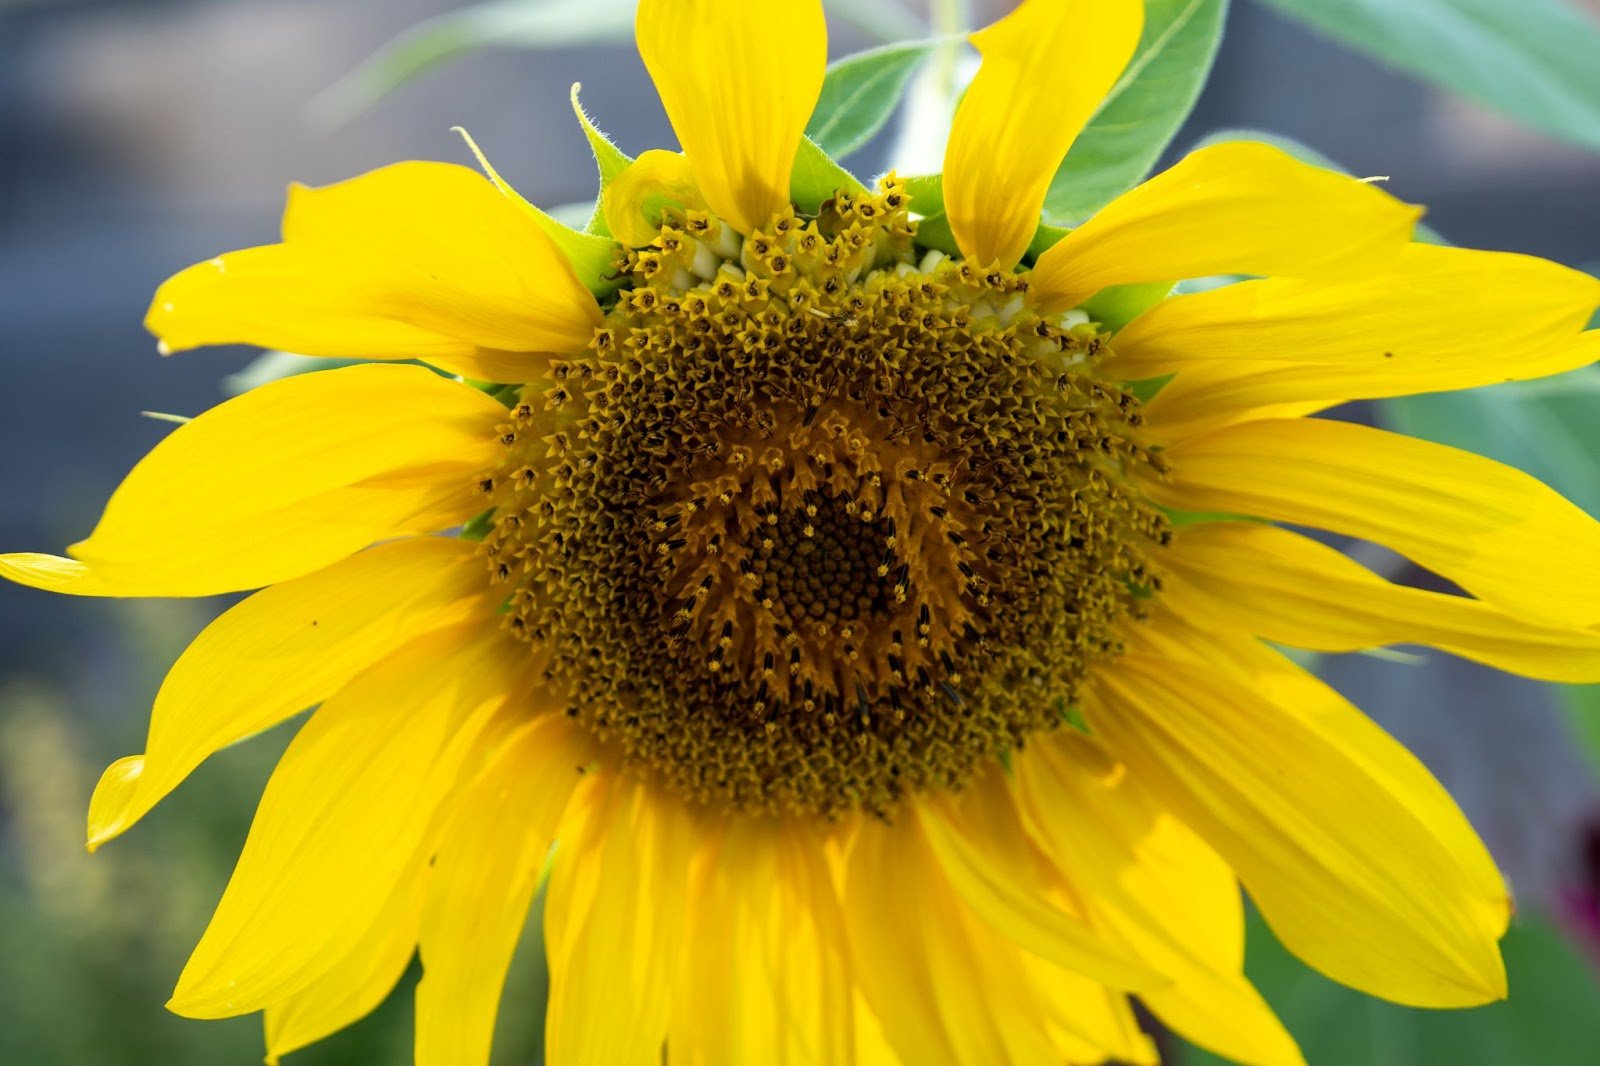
857 604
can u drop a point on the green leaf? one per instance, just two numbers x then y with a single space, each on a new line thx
1143 110
861 92
1537 61
500 23
1549 1018
608 159
816 177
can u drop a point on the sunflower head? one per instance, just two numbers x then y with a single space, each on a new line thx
820 516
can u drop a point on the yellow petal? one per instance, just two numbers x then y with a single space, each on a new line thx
1235 208
1341 861
343 814
1441 318
634 202
284 480
979 842
871 1047
483 881
55 574
614 917
282 650
1088 1022
357 983
1300 695
415 260
764 975
1046 67
1202 398
739 82
1152 882
1292 590
1498 533
948 990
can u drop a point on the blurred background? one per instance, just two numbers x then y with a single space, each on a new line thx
138 136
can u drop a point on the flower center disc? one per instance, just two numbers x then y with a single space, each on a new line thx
821 518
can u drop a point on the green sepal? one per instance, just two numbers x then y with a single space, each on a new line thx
934 232
816 178
1194 518
1115 307
926 192
478 527
506 395
927 199
1044 238
1073 716
1145 389
609 160
593 259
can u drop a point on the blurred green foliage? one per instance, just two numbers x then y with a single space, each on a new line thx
1549 1020
93 944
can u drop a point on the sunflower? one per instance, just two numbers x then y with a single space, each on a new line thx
863 610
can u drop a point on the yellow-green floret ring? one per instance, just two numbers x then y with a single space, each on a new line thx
821 516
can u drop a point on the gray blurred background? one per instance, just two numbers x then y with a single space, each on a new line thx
138 136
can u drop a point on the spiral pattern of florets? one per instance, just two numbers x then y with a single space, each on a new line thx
820 516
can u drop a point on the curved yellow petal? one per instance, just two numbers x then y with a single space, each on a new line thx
484 877
1302 696
283 480
1342 861
739 82
614 918
285 649
416 260
1046 67
991 860
948 990
764 976
1504 536
634 202
1439 318
978 840
1087 1021
357 983
1235 208
52 573
1202 398
342 816
1292 590
1157 886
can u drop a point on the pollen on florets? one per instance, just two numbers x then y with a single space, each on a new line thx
821 516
